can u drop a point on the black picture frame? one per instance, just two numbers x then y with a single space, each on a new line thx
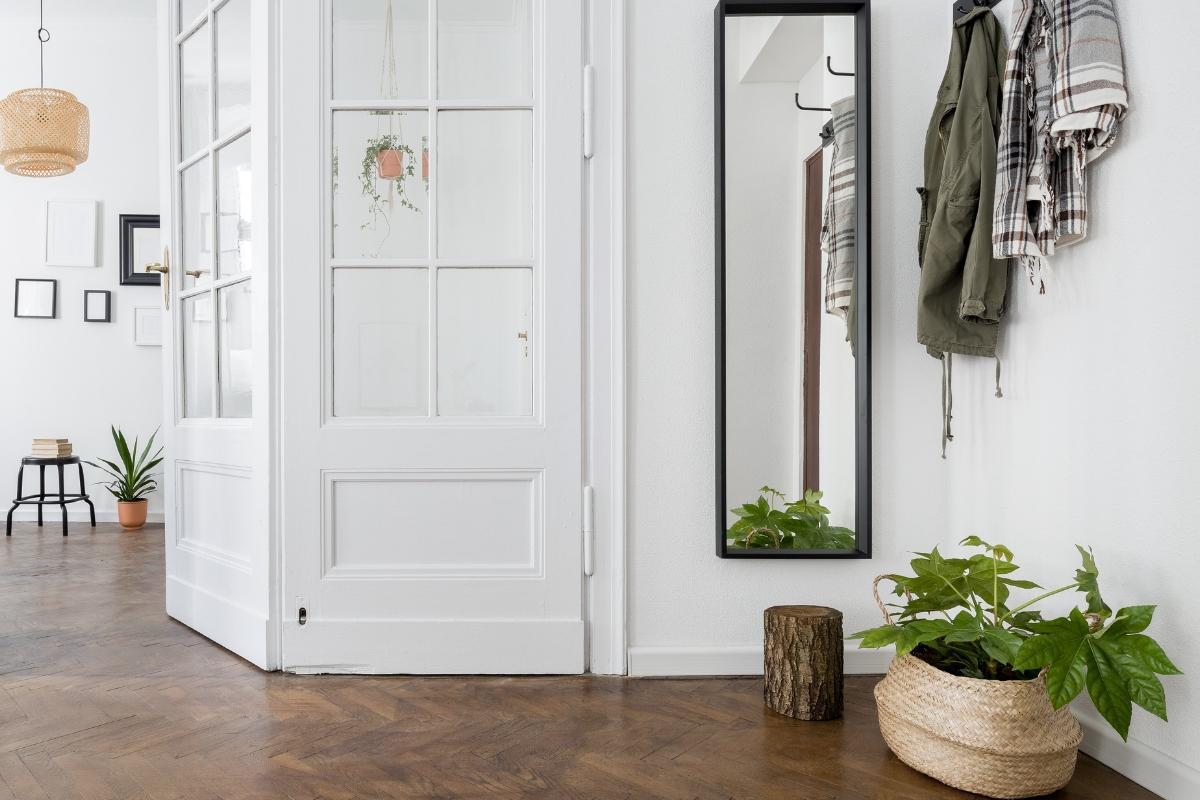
107 305
53 301
129 274
861 10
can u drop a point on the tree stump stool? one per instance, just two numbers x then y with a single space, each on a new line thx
802 659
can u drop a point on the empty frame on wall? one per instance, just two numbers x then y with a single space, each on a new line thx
141 245
97 305
70 233
147 325
36 298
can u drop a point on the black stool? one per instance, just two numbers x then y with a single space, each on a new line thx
40 498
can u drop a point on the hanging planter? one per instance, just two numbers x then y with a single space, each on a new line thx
389 164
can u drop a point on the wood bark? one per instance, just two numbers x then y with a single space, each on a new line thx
802 659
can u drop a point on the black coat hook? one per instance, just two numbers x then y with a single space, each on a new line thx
964 7
806 108
832 71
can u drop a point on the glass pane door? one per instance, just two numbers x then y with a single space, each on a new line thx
432 265
214 169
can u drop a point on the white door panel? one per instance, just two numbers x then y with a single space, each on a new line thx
431 347
214 92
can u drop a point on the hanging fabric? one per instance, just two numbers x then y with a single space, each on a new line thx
838 231
1064 99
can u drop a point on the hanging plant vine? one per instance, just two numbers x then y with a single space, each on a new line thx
369 177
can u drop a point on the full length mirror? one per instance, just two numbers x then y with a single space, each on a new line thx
793 315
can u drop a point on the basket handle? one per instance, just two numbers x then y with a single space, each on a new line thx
878 602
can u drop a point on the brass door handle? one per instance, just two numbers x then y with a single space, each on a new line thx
165 269
195 273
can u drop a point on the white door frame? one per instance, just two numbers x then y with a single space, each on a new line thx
605 347
605 401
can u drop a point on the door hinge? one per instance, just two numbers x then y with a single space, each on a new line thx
589 532
589 108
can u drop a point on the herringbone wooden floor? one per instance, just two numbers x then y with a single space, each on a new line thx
103 696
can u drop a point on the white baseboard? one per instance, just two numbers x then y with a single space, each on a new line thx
696 661
1140 763
52 516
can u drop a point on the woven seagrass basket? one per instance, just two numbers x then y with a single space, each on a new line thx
996 738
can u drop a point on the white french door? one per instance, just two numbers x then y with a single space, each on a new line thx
215 337
430 200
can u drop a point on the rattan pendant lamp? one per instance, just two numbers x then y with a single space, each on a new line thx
43 132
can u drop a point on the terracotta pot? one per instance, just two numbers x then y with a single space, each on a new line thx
389 164
132 516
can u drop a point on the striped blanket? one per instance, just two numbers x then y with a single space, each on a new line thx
838 237
1064 98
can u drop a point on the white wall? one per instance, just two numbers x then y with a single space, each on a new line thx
65 377
1096 440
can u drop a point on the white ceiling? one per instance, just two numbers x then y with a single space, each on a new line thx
66 9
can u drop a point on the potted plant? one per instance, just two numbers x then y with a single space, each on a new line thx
977 694
132 479
389 159
802 525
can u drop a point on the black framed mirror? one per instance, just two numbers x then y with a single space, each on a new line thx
793 269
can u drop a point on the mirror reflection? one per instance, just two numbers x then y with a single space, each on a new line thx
790 267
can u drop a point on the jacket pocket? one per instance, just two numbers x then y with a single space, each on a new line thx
924 234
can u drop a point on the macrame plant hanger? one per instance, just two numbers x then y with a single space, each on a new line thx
389 90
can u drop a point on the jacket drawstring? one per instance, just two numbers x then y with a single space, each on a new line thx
998 392
947 399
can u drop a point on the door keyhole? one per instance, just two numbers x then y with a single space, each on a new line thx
303 615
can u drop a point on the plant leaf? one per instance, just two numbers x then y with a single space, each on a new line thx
1001 644
1106 687
1150 653
1055 639
1133 619
1088 580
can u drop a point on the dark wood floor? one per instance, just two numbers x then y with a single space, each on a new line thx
103 696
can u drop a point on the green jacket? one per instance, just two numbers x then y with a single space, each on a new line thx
962 287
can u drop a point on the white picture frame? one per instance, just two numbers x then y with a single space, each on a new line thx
71 233
147 326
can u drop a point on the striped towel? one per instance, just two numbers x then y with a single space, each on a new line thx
838 230
1064 98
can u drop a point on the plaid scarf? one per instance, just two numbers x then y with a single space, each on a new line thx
837 232
1064 98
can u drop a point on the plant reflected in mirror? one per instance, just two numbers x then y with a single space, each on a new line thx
800 525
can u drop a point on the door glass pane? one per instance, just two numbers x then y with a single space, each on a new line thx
235 357
485 184
233 67
197 356
372 61
233 207
380 184
380 342
196 218
195 66
485 49
189 10
485 341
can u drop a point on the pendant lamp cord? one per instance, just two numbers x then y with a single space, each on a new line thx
43 37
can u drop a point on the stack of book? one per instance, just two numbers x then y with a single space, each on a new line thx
51 448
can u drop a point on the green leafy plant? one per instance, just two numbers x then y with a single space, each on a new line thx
132 479
370 180
981 636
802 525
